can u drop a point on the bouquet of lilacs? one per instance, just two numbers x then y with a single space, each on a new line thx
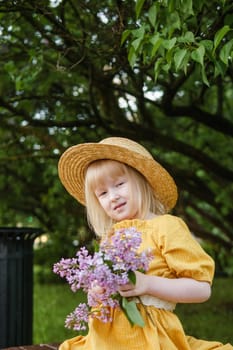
100 274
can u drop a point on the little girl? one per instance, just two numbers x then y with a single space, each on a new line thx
122 186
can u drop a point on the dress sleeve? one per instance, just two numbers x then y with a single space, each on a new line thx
182 252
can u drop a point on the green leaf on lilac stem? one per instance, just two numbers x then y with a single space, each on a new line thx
132 313
132 277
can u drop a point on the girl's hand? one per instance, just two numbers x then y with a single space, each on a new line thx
132 290
95 294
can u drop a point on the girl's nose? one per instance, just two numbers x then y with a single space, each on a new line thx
113 195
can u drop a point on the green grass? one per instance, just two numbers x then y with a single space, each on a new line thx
212 320
52 303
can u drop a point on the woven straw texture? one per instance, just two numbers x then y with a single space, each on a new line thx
75 160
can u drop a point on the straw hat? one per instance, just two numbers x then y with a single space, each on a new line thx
75 160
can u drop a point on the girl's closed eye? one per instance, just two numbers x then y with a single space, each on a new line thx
100 193
120 182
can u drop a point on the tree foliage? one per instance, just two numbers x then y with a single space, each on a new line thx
159 72
179 36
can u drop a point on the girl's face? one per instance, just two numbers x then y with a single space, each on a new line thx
115 197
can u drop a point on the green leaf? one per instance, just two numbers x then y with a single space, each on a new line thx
132 57
178 58
139 32
186 62
189 37
169 44
166 67
225 53
173 22
132 277
187 7
220 68
152 14
198 55
208 44
219 36
171 5
156 41
157 68
169 56
136 44
204 77
138 7
125 35
19 84
132 313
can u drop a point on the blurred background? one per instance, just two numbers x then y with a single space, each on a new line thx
159 72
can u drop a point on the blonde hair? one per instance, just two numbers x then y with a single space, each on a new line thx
141 191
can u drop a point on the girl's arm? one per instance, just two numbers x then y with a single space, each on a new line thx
178 290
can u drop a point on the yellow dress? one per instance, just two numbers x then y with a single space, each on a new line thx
176 254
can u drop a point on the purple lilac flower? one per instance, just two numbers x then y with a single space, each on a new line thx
106 270
65 267
78 319
122 250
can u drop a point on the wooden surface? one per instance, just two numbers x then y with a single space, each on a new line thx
53 346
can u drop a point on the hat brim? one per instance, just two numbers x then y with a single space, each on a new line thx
73 164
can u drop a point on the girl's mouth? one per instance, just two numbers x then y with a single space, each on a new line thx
119 206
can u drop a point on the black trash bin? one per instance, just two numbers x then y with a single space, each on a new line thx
16 285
